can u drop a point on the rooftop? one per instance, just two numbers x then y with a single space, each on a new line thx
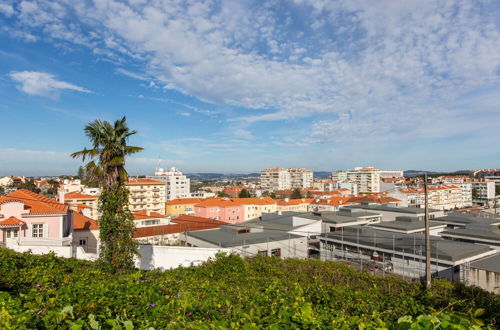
377 207
491 264
407 224
35 203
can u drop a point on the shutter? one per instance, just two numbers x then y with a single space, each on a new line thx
45 230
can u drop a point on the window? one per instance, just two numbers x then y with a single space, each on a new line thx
83 241
276 253
262 253
11 233
37 230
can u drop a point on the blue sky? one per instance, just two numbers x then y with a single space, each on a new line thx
237 86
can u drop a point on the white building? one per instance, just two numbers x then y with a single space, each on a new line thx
177 185
483 192
275 179
300 177
391 174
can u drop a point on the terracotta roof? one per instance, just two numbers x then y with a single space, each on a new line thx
35 203
220 202
12 221
297 201
373 198
81 222
143 215
255 201
181 201
82 206
332 201
144 182
186 223
77 195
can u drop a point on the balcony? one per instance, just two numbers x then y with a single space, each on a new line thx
138 203
156 189
156 196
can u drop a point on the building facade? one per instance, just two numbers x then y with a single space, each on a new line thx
367 179
146 194
177 185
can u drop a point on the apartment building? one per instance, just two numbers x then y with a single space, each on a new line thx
367 179
483 191
283 179
255 207
78 202
180 206
275 179
294 205
441 197
146 194
391 174
177 185
300 178
223 209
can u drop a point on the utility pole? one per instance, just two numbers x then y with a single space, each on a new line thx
427 239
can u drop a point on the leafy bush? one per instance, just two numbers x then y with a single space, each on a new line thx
229 292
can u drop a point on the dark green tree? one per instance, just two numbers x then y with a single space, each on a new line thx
475 193
106 165
296 194
222 194
244 194
273 195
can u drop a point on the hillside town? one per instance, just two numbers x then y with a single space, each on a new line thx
369 218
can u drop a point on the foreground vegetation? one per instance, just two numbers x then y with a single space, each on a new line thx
229 292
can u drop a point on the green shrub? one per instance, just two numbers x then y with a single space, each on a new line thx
229 292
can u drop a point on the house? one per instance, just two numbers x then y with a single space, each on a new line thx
223 209
85 233
32 221
332 204
293 205
147 218
174 232
78 202
179 206
399 253
255 207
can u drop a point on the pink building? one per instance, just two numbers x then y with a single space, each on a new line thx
29 219
223 209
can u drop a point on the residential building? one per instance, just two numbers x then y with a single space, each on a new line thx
223 209
32 221
391 174
85 233
6 181
147 218
443 197
177 185
332 204
300 178
146 194
400 253
294 205
180 206
483 191
275 179
491 175
339 175
284 179
87 204
367 179
382 199
255 207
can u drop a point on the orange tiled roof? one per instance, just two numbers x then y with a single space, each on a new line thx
77 195
11 221
143 215
184 223
181 201
297 201
35 203
255 201
220 202
194 221
373 198
332 201
144 182
81 222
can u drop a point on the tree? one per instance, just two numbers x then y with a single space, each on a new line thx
244 193
222 194
475 193
107 166
296 194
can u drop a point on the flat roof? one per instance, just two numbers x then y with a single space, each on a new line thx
339 218
378 207
225 238
441 249
473 233
466 219
407 225
491 264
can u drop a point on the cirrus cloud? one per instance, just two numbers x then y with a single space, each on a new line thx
43 84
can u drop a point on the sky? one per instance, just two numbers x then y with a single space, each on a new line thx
238 86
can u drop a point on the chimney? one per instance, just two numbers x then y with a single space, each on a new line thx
148 213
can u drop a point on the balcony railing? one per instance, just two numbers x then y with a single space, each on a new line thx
138 203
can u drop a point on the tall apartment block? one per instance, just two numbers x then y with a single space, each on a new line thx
177 185
282 179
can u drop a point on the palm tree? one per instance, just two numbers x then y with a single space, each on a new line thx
109 149
107 166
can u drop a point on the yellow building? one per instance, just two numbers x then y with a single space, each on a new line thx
146 194
254 207
87 204
181 206
294 205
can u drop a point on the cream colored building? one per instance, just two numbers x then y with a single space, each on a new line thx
367 179
275 179
87 204
146 194
300 178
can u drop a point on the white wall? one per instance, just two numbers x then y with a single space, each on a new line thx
166 257
60 251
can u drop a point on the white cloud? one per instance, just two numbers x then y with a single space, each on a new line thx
6 9
43 84
378 60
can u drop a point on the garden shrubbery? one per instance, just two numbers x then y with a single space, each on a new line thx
229 292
